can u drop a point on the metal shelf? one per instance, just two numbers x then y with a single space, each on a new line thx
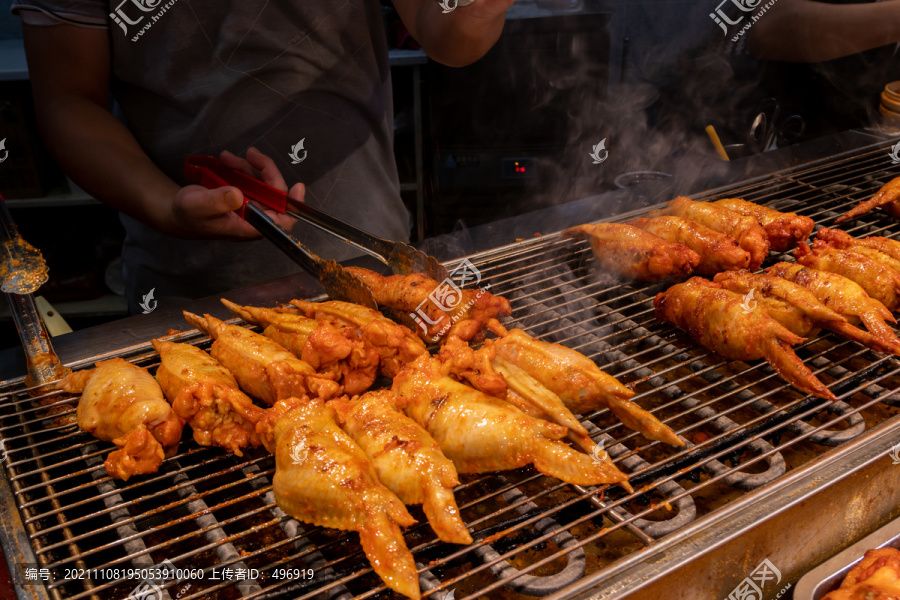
105 305
66 194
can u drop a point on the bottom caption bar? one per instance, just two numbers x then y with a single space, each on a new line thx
152 579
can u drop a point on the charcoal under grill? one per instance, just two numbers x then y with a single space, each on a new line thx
748 435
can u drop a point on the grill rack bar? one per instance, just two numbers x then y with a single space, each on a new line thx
881 389
114 500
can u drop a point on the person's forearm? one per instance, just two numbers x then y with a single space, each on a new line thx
805 31
103 157
460 37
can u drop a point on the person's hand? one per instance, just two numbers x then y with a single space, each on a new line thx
204 213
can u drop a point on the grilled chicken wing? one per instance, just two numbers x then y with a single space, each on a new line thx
717 251
263 368
578 382
462 362
845 297
395 344
875 577
784 230
716 318
480 433
882 250
326 346
541 402
204 394
881 282
435 310
408 460
795 307
633 253
528 395
743 282
886 197
495 376
842 239
749 234
122 403
324 478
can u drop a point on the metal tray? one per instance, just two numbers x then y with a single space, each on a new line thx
828 576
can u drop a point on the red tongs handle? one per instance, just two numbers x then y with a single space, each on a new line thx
212 173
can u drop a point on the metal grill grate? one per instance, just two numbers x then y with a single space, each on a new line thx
744 427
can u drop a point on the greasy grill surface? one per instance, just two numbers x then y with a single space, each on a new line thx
743 425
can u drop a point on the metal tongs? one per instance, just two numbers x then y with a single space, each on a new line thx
23 271
401 258
337 282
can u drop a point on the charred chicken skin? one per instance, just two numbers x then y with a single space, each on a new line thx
408 460
886 198
205 394
795 307
395 344
749 234
329 348
263 368
122 403
717 319
883 250
632 253
784 230
481 433
441 310
578 381
845 297
717 251
323 477
881 282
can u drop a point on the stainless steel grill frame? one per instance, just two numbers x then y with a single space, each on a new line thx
754 446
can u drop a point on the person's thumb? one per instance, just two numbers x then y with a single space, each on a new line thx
297 192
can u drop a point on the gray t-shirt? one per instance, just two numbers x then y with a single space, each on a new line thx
201 76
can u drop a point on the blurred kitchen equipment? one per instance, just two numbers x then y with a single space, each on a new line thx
768 127
540 89
714 138
23 271
635 177
890 102
736 151
56 324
